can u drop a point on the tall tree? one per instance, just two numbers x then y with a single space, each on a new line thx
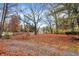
35 17
50 23
71 12
4 13
55 15
71 9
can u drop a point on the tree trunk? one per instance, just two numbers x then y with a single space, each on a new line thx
35 29
78 22
56 22
5 9
72 25
51 29
56 28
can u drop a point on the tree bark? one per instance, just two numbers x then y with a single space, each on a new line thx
51 29
5 9
35 29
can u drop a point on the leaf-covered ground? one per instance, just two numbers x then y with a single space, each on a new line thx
40 45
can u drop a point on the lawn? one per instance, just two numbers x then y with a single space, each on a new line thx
22 44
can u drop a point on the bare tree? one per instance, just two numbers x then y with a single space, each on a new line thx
50 23
4 13
54 14
34 17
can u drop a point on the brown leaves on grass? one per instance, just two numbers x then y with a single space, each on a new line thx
52 40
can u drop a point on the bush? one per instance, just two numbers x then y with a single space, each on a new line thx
7 34
73 33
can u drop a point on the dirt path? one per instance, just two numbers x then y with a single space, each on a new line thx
35 49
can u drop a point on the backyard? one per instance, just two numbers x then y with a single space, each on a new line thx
39 29
39 45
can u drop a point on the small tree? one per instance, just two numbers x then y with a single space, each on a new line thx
14 24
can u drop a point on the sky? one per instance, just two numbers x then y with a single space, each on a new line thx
36 6
26 6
